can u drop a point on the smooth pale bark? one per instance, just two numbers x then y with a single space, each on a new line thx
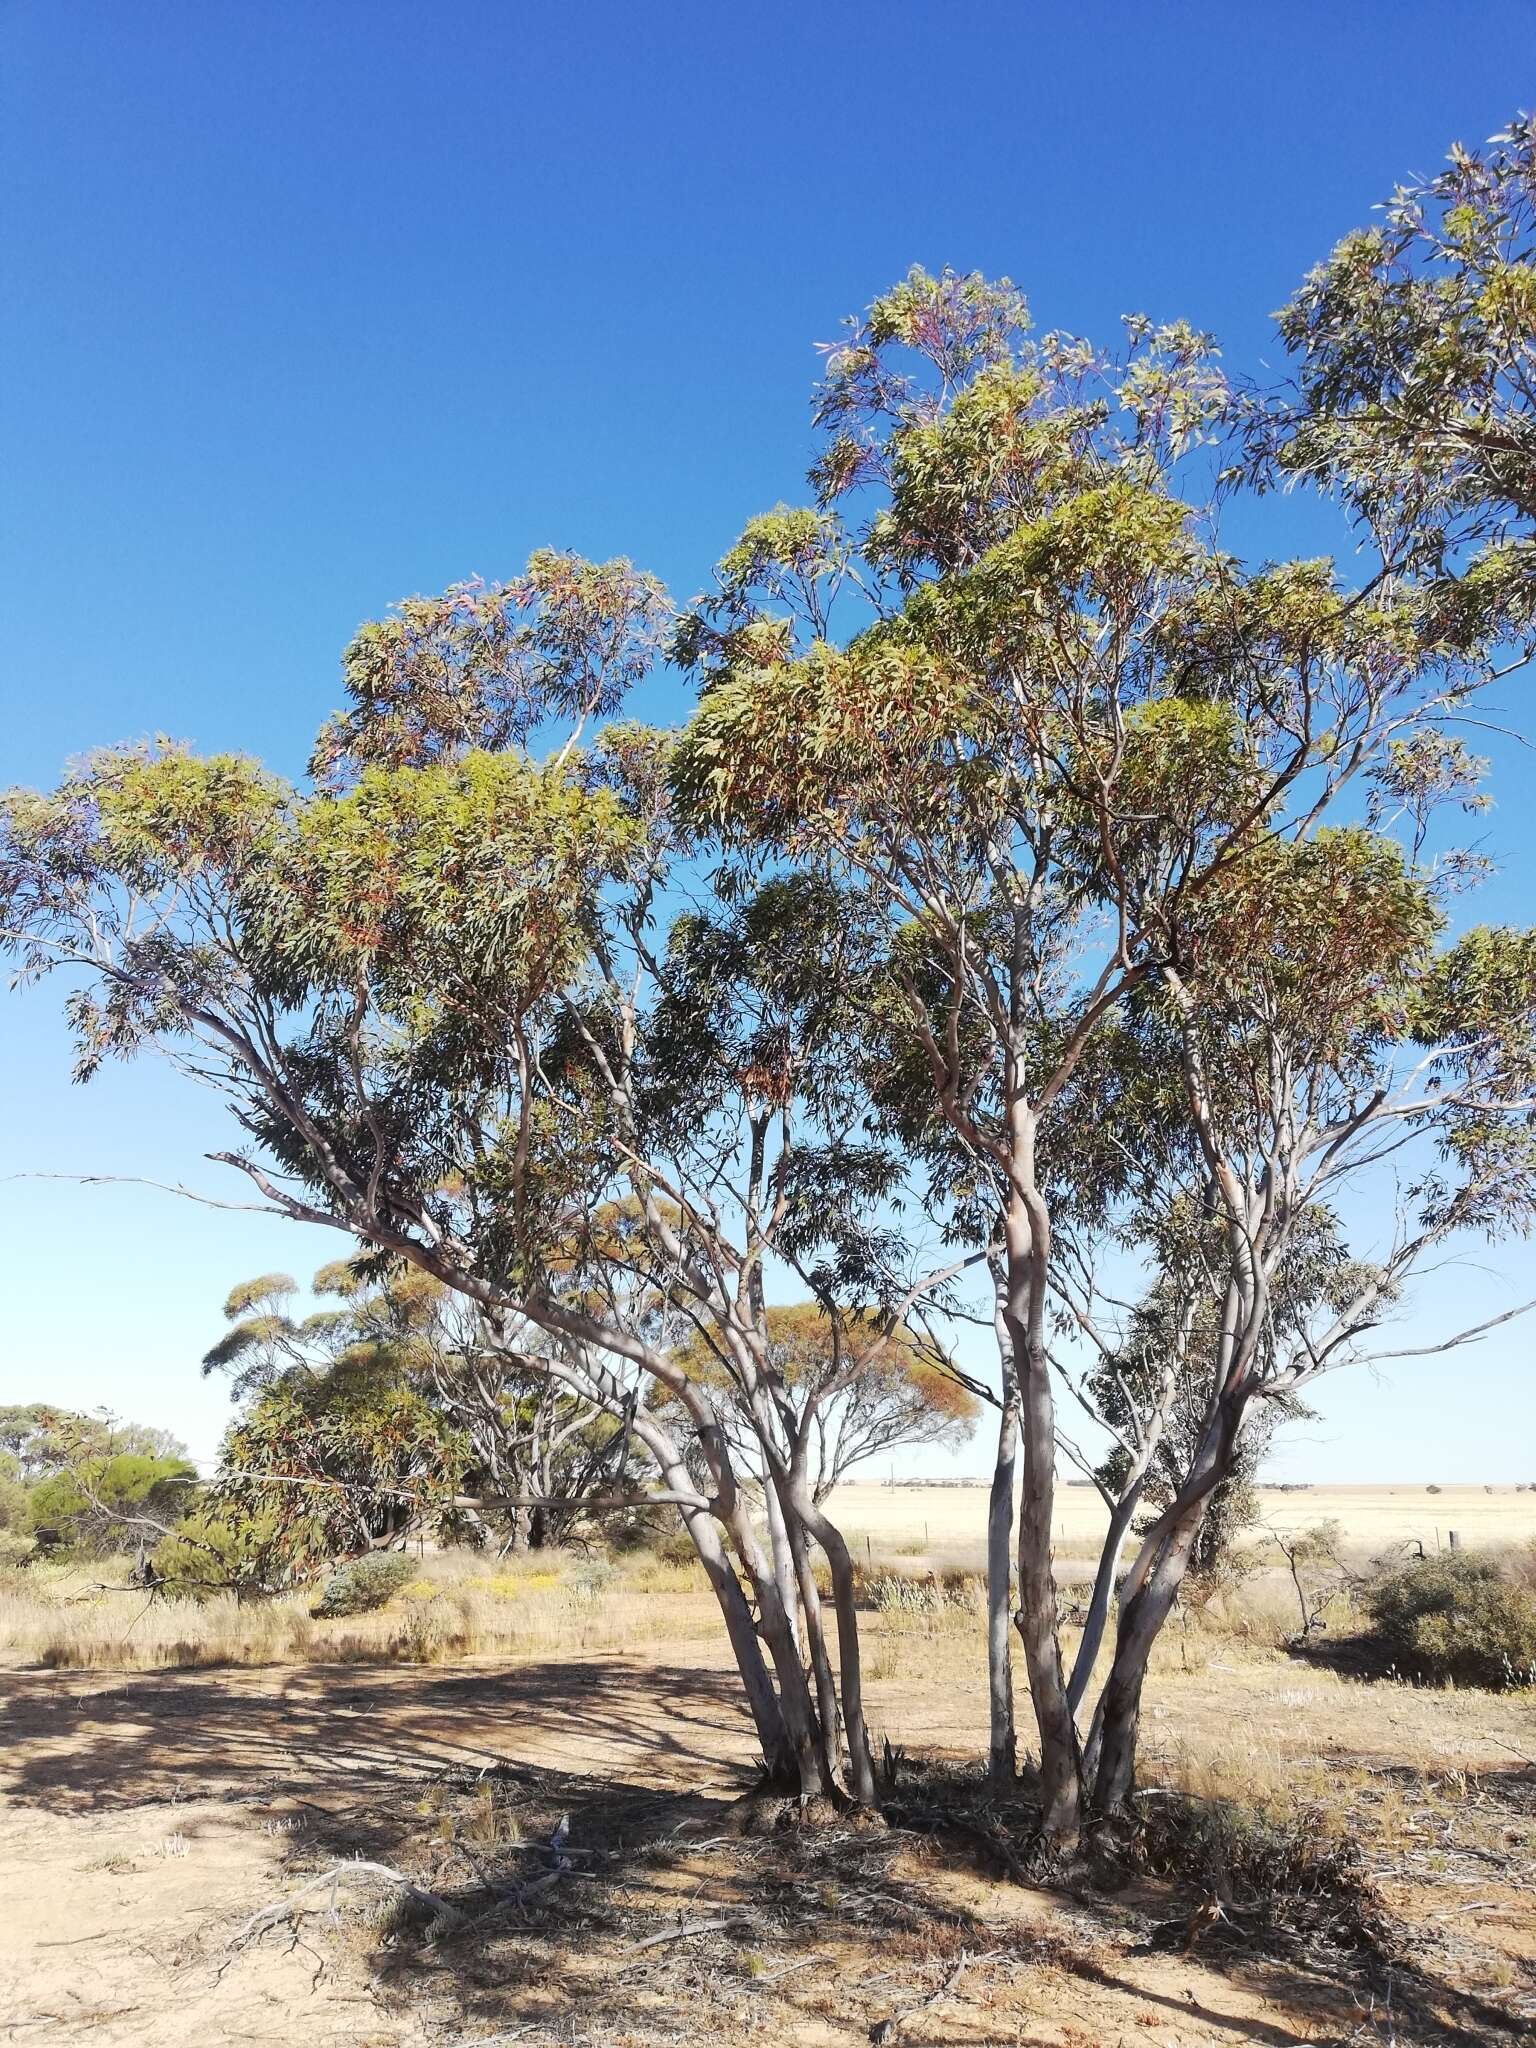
1124 1508
1003 1735
861 1769
1151 1587
1027 1247
816 1643
762 1699
1111 1756
1103 1592
1037 1617
773 1623
785 1563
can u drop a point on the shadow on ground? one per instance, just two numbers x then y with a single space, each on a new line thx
85 1742
673 1905
664 1904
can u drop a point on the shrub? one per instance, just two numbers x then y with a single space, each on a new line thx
933 1597
1291 1873
360 1587
1456 1619
1520 1567
591 1580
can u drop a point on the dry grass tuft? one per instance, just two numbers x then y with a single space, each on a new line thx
66 1629
457 1605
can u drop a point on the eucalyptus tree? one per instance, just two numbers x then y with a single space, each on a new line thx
334 1448
1058 734
449 1003
1316 1032
396 1408
106 1487
1414 349
865 1391
1332 1041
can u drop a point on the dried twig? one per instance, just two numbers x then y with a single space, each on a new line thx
692 1927
293 1909
886 2029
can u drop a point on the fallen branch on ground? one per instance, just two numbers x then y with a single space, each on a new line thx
444 1918
887 2029
293 1909
692 1927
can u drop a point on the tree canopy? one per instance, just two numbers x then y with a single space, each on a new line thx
1038 886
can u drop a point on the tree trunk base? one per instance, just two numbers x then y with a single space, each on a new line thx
770 1809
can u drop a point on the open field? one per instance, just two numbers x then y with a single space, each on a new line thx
148 1815
948 1521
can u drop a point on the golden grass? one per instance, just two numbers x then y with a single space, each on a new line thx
946 1525
544 1605
53 1622
460 1605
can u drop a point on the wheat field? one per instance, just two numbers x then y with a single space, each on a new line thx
947 1523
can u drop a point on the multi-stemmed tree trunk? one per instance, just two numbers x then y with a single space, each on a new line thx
1026 1256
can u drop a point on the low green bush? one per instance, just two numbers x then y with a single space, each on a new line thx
1456 1619
360 1587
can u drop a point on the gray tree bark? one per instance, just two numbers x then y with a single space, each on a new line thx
1003 1735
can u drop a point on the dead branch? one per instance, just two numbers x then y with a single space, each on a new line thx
692 1927
292 1909
886 2029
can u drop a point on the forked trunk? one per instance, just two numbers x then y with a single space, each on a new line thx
827 1706
1111 1755
774 1625
1027 1248
861 1769
778 1750
1151 1587
1037 1619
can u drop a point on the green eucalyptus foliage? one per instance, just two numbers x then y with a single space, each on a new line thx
110 1502
484 666
1071 736
1415 345
226 1547
339 1445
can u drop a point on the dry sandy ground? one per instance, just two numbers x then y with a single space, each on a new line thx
147 1816
949 1521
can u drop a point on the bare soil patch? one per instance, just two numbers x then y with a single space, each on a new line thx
148 1817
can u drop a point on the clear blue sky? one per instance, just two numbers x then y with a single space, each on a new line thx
310 306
